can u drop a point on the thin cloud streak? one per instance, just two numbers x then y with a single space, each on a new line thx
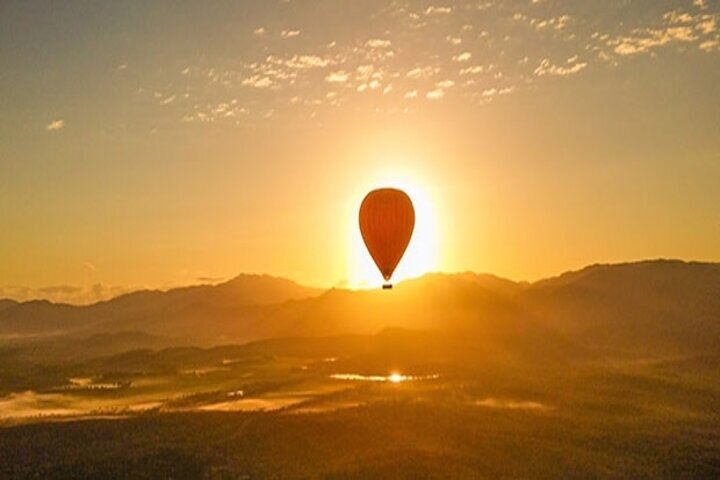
55 125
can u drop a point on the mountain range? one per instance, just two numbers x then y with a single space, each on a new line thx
647 307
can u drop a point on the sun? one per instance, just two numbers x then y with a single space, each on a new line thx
421 255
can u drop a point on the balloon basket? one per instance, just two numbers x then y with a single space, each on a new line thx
387 286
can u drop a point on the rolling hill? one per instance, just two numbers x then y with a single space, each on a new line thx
643 307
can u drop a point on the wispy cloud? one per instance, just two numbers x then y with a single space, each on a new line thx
211 279
439 91
479 51
337 77
491 92
439 10
675 27
167 100
571 67
463 57
435 94
555 23
378 43
73 294
421 72
56 125
474 70
304 61
644 40
258 82
711 45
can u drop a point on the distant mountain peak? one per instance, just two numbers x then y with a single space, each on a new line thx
649 266
243 278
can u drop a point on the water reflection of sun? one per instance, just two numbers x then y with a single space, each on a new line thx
421 255
393 377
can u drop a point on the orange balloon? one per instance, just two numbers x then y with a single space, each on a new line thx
387 219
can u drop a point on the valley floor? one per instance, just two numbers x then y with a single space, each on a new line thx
255 415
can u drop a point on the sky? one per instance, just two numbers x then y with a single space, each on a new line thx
153 144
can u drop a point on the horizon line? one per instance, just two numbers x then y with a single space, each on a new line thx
341 285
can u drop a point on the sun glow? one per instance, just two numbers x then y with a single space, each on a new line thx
421 255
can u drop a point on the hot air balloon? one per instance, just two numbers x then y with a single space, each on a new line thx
387 219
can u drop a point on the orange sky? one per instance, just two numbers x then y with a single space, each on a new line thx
175 144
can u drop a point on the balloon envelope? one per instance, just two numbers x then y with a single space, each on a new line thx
387 219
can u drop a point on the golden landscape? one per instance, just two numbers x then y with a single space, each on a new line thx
329 239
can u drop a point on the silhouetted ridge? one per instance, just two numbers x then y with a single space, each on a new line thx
7 303
666 304
651 306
